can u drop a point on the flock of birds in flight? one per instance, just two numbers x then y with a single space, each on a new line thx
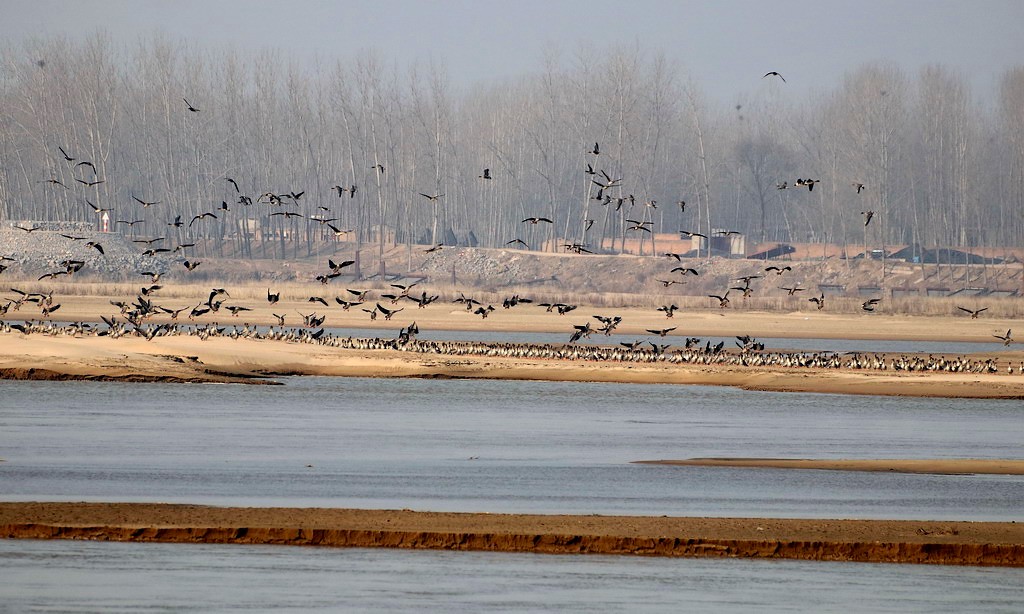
143 308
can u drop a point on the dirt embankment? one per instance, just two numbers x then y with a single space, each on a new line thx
948 543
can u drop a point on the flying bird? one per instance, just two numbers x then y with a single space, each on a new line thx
486 175
535 220
974 312
870 304
867 216
685 271
97 209
190 107
201 216
774 74
145 203
723 301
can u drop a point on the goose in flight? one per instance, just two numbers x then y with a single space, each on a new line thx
387 312
582 331
535 220
870 304
661 332
145 204
807 183
431 198
819 301
685 271
201 216
974 312
1006 339
723 301
486 175
668 309
773 73
346 305
190 107
867 216
98 209
777 270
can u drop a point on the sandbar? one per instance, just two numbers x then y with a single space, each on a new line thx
948 466
187 358
893 541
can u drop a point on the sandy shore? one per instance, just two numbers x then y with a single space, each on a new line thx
958 466
951 543
190 359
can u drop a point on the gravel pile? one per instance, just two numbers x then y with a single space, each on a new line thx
42 251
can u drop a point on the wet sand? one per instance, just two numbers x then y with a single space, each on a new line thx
946 466
947 543
190 359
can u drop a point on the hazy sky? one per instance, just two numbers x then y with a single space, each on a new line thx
724 45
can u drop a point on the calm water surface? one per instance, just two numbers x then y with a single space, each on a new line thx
548 447
462 445
112 577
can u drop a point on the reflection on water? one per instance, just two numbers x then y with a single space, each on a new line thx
105 577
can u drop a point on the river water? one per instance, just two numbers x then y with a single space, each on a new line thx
494 446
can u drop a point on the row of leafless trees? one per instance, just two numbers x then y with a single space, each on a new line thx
939 168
